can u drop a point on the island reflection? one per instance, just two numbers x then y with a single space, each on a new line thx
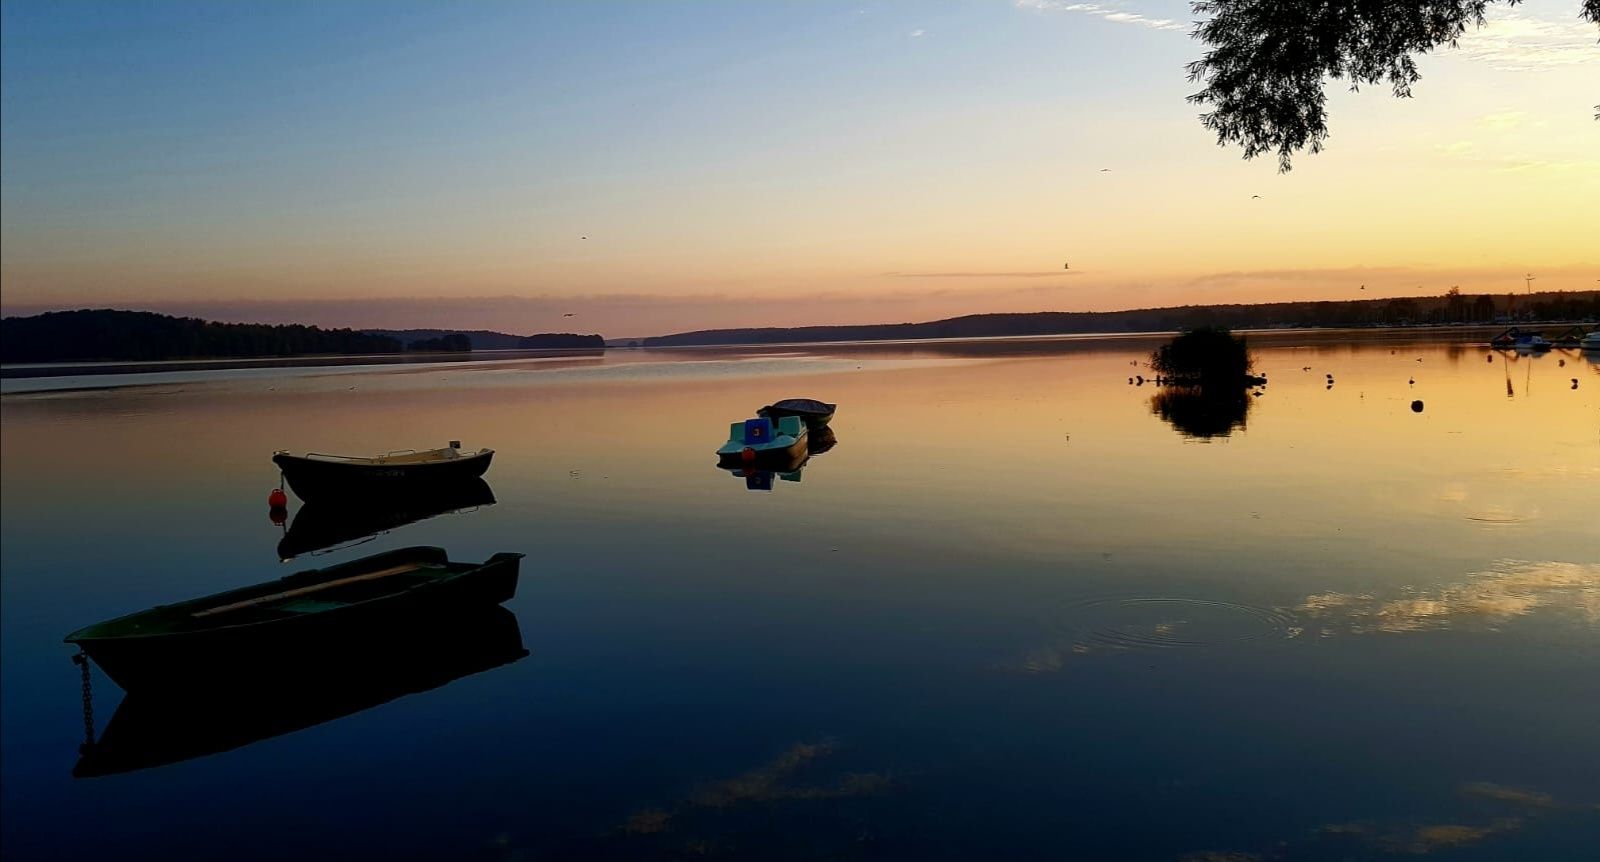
1201 413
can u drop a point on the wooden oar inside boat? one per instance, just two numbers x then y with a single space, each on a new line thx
314 588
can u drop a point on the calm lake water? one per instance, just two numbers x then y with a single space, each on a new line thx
1022 610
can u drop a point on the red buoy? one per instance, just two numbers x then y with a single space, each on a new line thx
747 454
277 499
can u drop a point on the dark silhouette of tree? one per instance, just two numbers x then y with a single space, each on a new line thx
1270 60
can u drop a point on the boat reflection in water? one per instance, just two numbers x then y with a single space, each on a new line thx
155 728
1201 413
760 476
320 525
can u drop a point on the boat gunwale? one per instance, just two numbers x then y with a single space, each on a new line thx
447 576
325 459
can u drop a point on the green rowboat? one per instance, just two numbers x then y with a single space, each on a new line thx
763 441
272 629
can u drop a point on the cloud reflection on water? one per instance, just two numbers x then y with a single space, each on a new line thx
1509 590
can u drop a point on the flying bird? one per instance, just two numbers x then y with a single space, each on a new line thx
1253 197
1105 170
568 314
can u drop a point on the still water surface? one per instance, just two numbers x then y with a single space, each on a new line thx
1023 609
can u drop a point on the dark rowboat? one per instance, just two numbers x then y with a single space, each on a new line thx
315 475
270 630
323 524
814 413
156 728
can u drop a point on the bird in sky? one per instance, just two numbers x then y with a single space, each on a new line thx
1105 170
1254 197
568 314
582 237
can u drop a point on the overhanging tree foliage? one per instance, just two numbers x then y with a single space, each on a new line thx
1269 60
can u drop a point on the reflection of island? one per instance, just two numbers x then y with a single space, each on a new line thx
760 478
318 526
1202 413
150 729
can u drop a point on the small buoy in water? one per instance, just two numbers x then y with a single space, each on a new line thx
1130 381
1574 383
278 514
277 499
1561 363
1490 357
747 454
1416 406
1411 381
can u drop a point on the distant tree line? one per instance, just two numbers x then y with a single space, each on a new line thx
107 335
562 341
455 342
1452 307
487 339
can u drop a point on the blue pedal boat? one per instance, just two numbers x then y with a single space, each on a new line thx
760 440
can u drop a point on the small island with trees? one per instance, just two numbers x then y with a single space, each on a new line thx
1205 382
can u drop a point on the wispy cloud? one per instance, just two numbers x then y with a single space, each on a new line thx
1107 12
1502 120
1514 42
1470 152
1046 274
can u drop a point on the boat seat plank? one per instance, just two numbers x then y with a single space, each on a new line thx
314 588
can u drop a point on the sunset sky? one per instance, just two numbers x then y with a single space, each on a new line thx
656 167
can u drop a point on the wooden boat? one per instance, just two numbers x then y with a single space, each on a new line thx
814 413
758 441
324 524
271 629
154 728
316 475
821 440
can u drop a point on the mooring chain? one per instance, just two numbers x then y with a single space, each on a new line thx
82 661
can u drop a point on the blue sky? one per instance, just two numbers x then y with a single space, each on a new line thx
736 162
